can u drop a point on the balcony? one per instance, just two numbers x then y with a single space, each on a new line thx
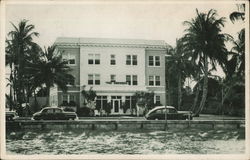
116 87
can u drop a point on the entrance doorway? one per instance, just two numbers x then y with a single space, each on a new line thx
116 104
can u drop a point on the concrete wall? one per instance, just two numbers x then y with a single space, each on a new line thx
125 124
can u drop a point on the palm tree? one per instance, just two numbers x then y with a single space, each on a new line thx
205 41
50 69
238 51
179 64
235 65
238 15
16 52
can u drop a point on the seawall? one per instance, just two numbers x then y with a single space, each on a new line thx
124 124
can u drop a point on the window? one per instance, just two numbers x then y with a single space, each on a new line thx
69 100
172 110
130 102
128 60
157 61
154 61
70 58
112 59
154 80
131 59
45 111
57 110
50 111
94 79
90 79
101 102
93 58
97 58
72 61
71 81
97 79
157 100
112 78
157 81
128 79
135 80
134 59
132 79
159 111
151 60
151 80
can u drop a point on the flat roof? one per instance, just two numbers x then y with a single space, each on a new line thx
83 40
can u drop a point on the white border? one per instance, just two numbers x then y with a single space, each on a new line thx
184 156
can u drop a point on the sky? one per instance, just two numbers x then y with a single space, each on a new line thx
156 20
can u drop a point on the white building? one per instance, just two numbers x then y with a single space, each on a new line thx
115 68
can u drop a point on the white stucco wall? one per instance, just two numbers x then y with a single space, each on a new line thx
105 69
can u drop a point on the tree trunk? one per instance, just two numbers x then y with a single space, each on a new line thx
11 85
196 97
35 103
14 86
205 85
179 91
169 95
48 96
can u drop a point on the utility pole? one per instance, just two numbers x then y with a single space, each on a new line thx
166 121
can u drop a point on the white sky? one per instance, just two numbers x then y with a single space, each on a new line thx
134 20
159 21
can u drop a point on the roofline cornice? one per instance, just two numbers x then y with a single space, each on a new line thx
77 45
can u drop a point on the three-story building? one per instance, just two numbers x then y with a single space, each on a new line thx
114 68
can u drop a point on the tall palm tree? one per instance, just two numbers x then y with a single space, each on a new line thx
50 69
21 39
205 41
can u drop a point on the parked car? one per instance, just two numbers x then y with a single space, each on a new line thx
11 115
158 113
54 113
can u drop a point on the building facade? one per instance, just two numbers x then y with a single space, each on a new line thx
114 68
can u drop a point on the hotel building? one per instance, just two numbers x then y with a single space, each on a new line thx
114 68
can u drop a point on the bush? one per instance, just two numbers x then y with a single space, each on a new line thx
85 112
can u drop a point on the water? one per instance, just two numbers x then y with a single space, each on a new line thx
190 141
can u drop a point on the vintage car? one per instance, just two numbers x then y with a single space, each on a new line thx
159 113
54 113
10 115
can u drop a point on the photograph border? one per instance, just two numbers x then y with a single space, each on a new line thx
3 21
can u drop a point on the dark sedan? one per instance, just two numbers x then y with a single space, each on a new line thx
54 113
159 113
